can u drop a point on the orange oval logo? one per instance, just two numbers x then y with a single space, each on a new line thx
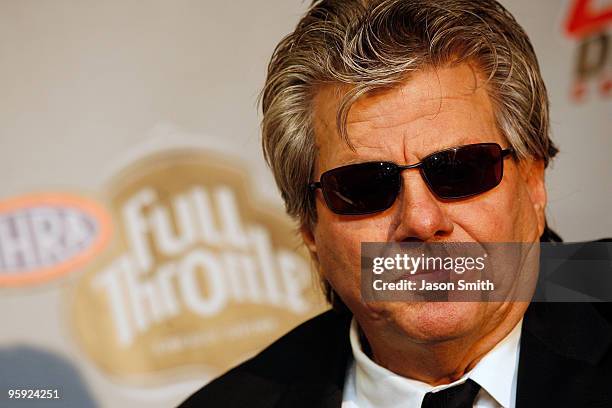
43 236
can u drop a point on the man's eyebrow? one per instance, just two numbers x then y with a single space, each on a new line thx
462 141
465 140
357 161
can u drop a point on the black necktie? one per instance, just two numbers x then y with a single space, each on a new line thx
460 396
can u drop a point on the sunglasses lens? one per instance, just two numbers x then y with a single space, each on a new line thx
464 171
362 188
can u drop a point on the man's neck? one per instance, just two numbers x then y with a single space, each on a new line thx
439 362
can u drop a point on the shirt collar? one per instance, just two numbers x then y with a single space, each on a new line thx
497 371
376 386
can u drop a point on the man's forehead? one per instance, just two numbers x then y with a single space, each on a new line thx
423 95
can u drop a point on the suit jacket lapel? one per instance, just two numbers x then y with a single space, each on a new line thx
322 381
561 345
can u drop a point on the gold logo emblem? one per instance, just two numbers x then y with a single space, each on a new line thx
199 273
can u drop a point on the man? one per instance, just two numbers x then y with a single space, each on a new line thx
363 84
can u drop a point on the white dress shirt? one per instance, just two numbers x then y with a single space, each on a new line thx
369 385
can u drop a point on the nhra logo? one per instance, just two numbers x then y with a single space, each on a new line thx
588 21
43 236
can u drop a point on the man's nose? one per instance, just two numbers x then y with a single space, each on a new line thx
421 216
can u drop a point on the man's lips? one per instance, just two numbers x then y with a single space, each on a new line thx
432 275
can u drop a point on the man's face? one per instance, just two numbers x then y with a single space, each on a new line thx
431 111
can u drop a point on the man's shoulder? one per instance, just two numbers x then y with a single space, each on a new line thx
317 346
565 356
579 330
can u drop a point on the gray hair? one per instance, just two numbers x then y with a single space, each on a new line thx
367 45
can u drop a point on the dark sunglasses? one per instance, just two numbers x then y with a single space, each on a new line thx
370 187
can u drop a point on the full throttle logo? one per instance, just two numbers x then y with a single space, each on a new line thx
200 273
588 21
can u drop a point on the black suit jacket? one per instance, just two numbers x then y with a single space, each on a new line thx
565 361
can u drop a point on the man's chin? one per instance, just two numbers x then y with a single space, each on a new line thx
430 322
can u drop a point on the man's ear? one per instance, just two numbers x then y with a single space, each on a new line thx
309 240
532 172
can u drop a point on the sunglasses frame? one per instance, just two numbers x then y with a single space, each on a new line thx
505 153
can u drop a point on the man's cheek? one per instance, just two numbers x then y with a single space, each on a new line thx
486 221
340 264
